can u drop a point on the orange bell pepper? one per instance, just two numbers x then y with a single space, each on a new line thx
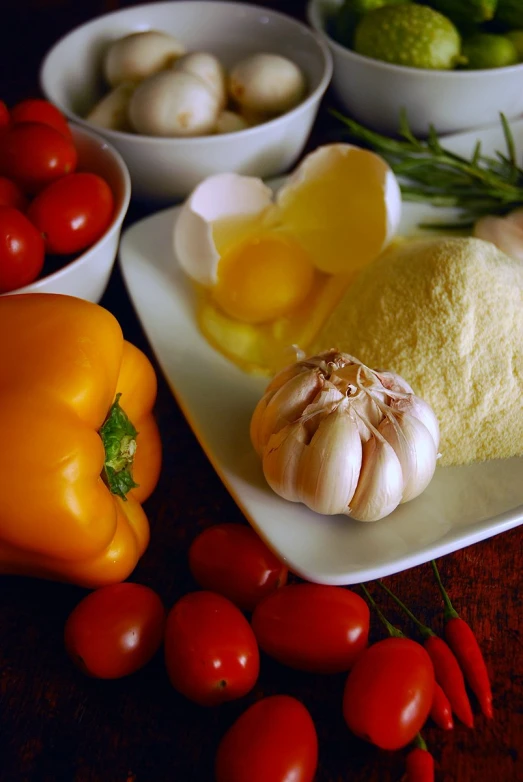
80 449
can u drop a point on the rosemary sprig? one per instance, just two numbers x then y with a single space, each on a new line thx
429 173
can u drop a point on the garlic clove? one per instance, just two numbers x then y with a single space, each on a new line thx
393 382
281 377
330 464
256 423
380 486
284 406
505 233
369 414
414 446
516 217
325 402
421 410
281 460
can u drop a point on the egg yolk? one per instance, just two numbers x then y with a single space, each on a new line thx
263 278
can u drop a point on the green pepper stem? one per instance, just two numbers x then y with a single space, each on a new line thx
119 440
392 631
425 631
450 611
419 741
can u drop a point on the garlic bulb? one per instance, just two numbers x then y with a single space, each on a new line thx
343 438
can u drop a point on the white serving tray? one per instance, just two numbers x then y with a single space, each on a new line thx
461 506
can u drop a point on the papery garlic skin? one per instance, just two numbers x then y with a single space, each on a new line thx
344 439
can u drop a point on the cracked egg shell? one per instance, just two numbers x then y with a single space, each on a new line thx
215 199
342 206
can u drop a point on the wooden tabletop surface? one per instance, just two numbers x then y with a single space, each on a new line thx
56 725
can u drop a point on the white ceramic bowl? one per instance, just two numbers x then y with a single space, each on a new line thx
169 168
374 92
87 276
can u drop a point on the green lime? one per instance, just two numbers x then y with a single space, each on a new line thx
516 36
510 12
412 35
488 50
466 11
349 14
361 7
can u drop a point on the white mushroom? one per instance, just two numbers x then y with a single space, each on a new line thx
209 69
136 56
173 103
267 83
111 111
230 122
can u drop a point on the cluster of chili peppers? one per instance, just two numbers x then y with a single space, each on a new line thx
456 659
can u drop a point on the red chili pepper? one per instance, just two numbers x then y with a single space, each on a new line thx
441 711
449 675
420 763
446 667
464 644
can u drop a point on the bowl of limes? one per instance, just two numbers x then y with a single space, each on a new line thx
450 64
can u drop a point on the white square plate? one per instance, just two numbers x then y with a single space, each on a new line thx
461 506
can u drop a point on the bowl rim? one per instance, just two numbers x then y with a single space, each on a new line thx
115 224
219 138
315 19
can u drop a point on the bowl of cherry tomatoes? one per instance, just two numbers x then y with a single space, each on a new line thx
64 193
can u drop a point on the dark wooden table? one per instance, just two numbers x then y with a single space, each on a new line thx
58 726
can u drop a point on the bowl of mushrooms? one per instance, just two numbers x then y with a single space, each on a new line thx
184 90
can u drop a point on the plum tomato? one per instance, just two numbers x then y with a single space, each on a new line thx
73 212
211 654
12 195
40 110
274 740
311 627
34 155
5 116
388 693
232 559
22 250
115 630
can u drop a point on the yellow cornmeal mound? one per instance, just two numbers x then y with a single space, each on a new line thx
447 315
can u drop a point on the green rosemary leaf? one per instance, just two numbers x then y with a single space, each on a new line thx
509 140
430 173
476 156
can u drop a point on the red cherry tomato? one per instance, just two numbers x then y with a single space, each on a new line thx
73 212
12 195
274 740
22 250
312 627
211 653
39 110
115 630
34 155
232 559
5 117
388 693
